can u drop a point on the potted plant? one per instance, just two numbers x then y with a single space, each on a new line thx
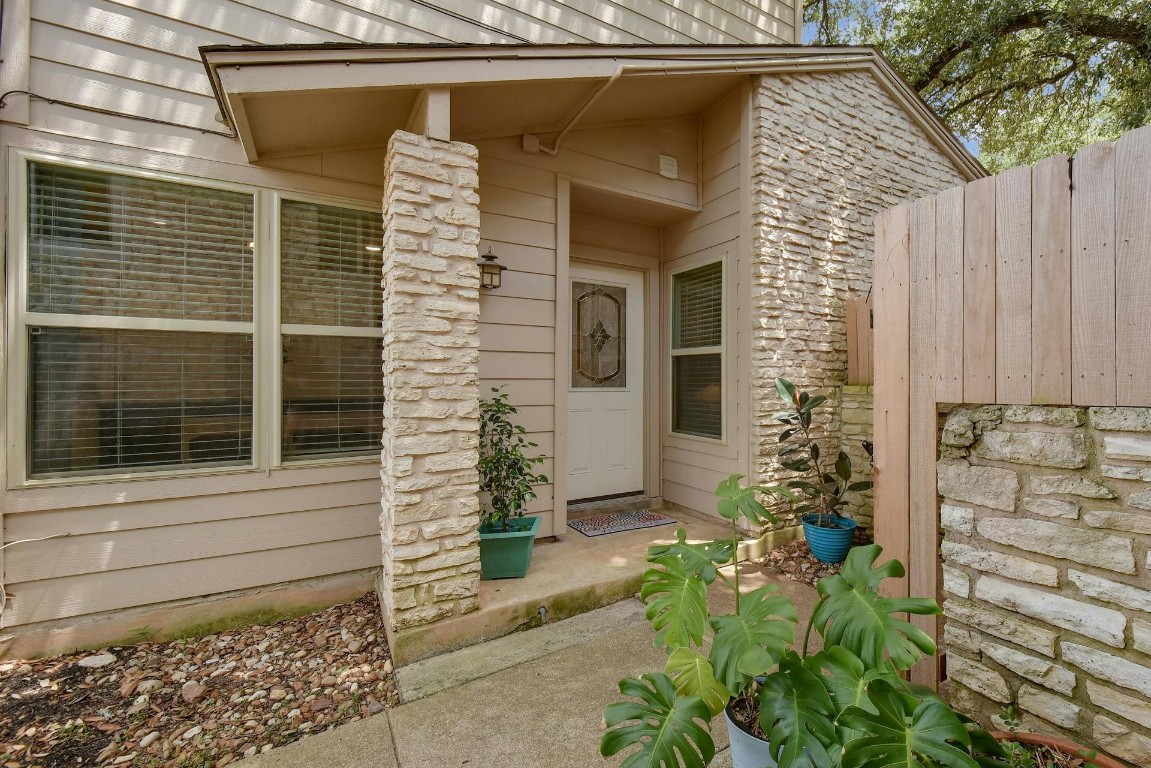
828 530
507 475
846 706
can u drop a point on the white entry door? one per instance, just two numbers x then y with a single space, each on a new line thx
606 395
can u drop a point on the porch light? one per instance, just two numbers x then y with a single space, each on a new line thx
491 274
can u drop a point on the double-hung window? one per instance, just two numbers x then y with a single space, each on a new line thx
146 336
697 352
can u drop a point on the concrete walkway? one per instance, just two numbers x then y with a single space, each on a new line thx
529 699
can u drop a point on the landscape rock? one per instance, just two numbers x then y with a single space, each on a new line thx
147 686
191 691
97 661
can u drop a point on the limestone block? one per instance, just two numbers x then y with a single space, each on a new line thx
1119 521
958 519
1067 510
1038 639
983 680
1121 741
1141 500
1121 472
1103 624
1122 419
1127 447
1087 547
985 486
1111 591
957 636
1041 671
956 582
1044 449
1050 707
1036 414
1121 672
957 430
1071 485
1000 563
1128 707
1141 635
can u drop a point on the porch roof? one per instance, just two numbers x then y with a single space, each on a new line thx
287 100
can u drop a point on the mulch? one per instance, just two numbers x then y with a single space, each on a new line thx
796 562
198 703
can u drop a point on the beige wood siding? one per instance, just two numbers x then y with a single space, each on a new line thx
692 468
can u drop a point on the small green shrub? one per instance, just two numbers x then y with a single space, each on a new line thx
506 471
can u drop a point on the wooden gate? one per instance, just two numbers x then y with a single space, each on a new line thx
1030 287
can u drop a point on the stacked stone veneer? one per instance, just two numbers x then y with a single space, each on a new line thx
830 151
855 427
1047 572
430 510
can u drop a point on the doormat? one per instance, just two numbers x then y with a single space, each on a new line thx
617 522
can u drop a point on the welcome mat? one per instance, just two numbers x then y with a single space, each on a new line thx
617 522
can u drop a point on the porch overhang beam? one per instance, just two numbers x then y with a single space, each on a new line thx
431 116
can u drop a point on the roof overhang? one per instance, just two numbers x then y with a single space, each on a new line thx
293 100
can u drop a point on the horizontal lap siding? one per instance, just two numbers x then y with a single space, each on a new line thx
517 321
123 555
693 468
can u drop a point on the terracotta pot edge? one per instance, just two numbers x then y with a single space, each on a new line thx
1100 760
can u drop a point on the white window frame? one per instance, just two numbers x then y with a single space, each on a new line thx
720 349
264 328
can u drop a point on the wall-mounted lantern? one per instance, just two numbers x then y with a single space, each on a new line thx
491 274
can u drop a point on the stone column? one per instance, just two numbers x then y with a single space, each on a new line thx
430 506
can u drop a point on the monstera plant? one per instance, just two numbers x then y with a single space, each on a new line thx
846 706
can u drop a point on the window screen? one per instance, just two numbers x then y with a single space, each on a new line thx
101 244
331 268
697 352
104 400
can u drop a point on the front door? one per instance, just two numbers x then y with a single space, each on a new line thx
606 395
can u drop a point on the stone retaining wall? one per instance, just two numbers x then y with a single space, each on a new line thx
1046 572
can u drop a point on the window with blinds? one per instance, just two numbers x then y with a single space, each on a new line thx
143 338
331 267
697 352
138 323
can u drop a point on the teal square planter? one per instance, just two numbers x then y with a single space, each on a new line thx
507 555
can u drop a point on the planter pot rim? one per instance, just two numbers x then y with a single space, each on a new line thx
1063 745
533 526
843 523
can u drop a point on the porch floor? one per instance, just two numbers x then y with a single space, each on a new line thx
571 575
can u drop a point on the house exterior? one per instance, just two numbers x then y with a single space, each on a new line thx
682 197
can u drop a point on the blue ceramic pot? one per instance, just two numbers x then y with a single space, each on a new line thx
829 545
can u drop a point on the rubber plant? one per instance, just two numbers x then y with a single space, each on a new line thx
846 706
506 472
824 490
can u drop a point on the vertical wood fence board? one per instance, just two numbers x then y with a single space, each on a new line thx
1093 276
891 285
949 296
1133 268
1051 282
979 292
859 342
923 545
1013 286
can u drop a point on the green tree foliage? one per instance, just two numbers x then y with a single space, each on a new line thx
1024 78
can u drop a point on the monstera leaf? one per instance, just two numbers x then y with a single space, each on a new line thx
679 610
903 732
693 676
748 643
798 716
664 726
698 559
735 501
852 614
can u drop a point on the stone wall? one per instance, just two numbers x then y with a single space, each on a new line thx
830 151
855 427
430 509
1046 569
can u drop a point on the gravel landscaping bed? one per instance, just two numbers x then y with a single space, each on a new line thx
796 562
198 703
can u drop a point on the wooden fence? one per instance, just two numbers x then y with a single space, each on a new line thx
859 341
1030 287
